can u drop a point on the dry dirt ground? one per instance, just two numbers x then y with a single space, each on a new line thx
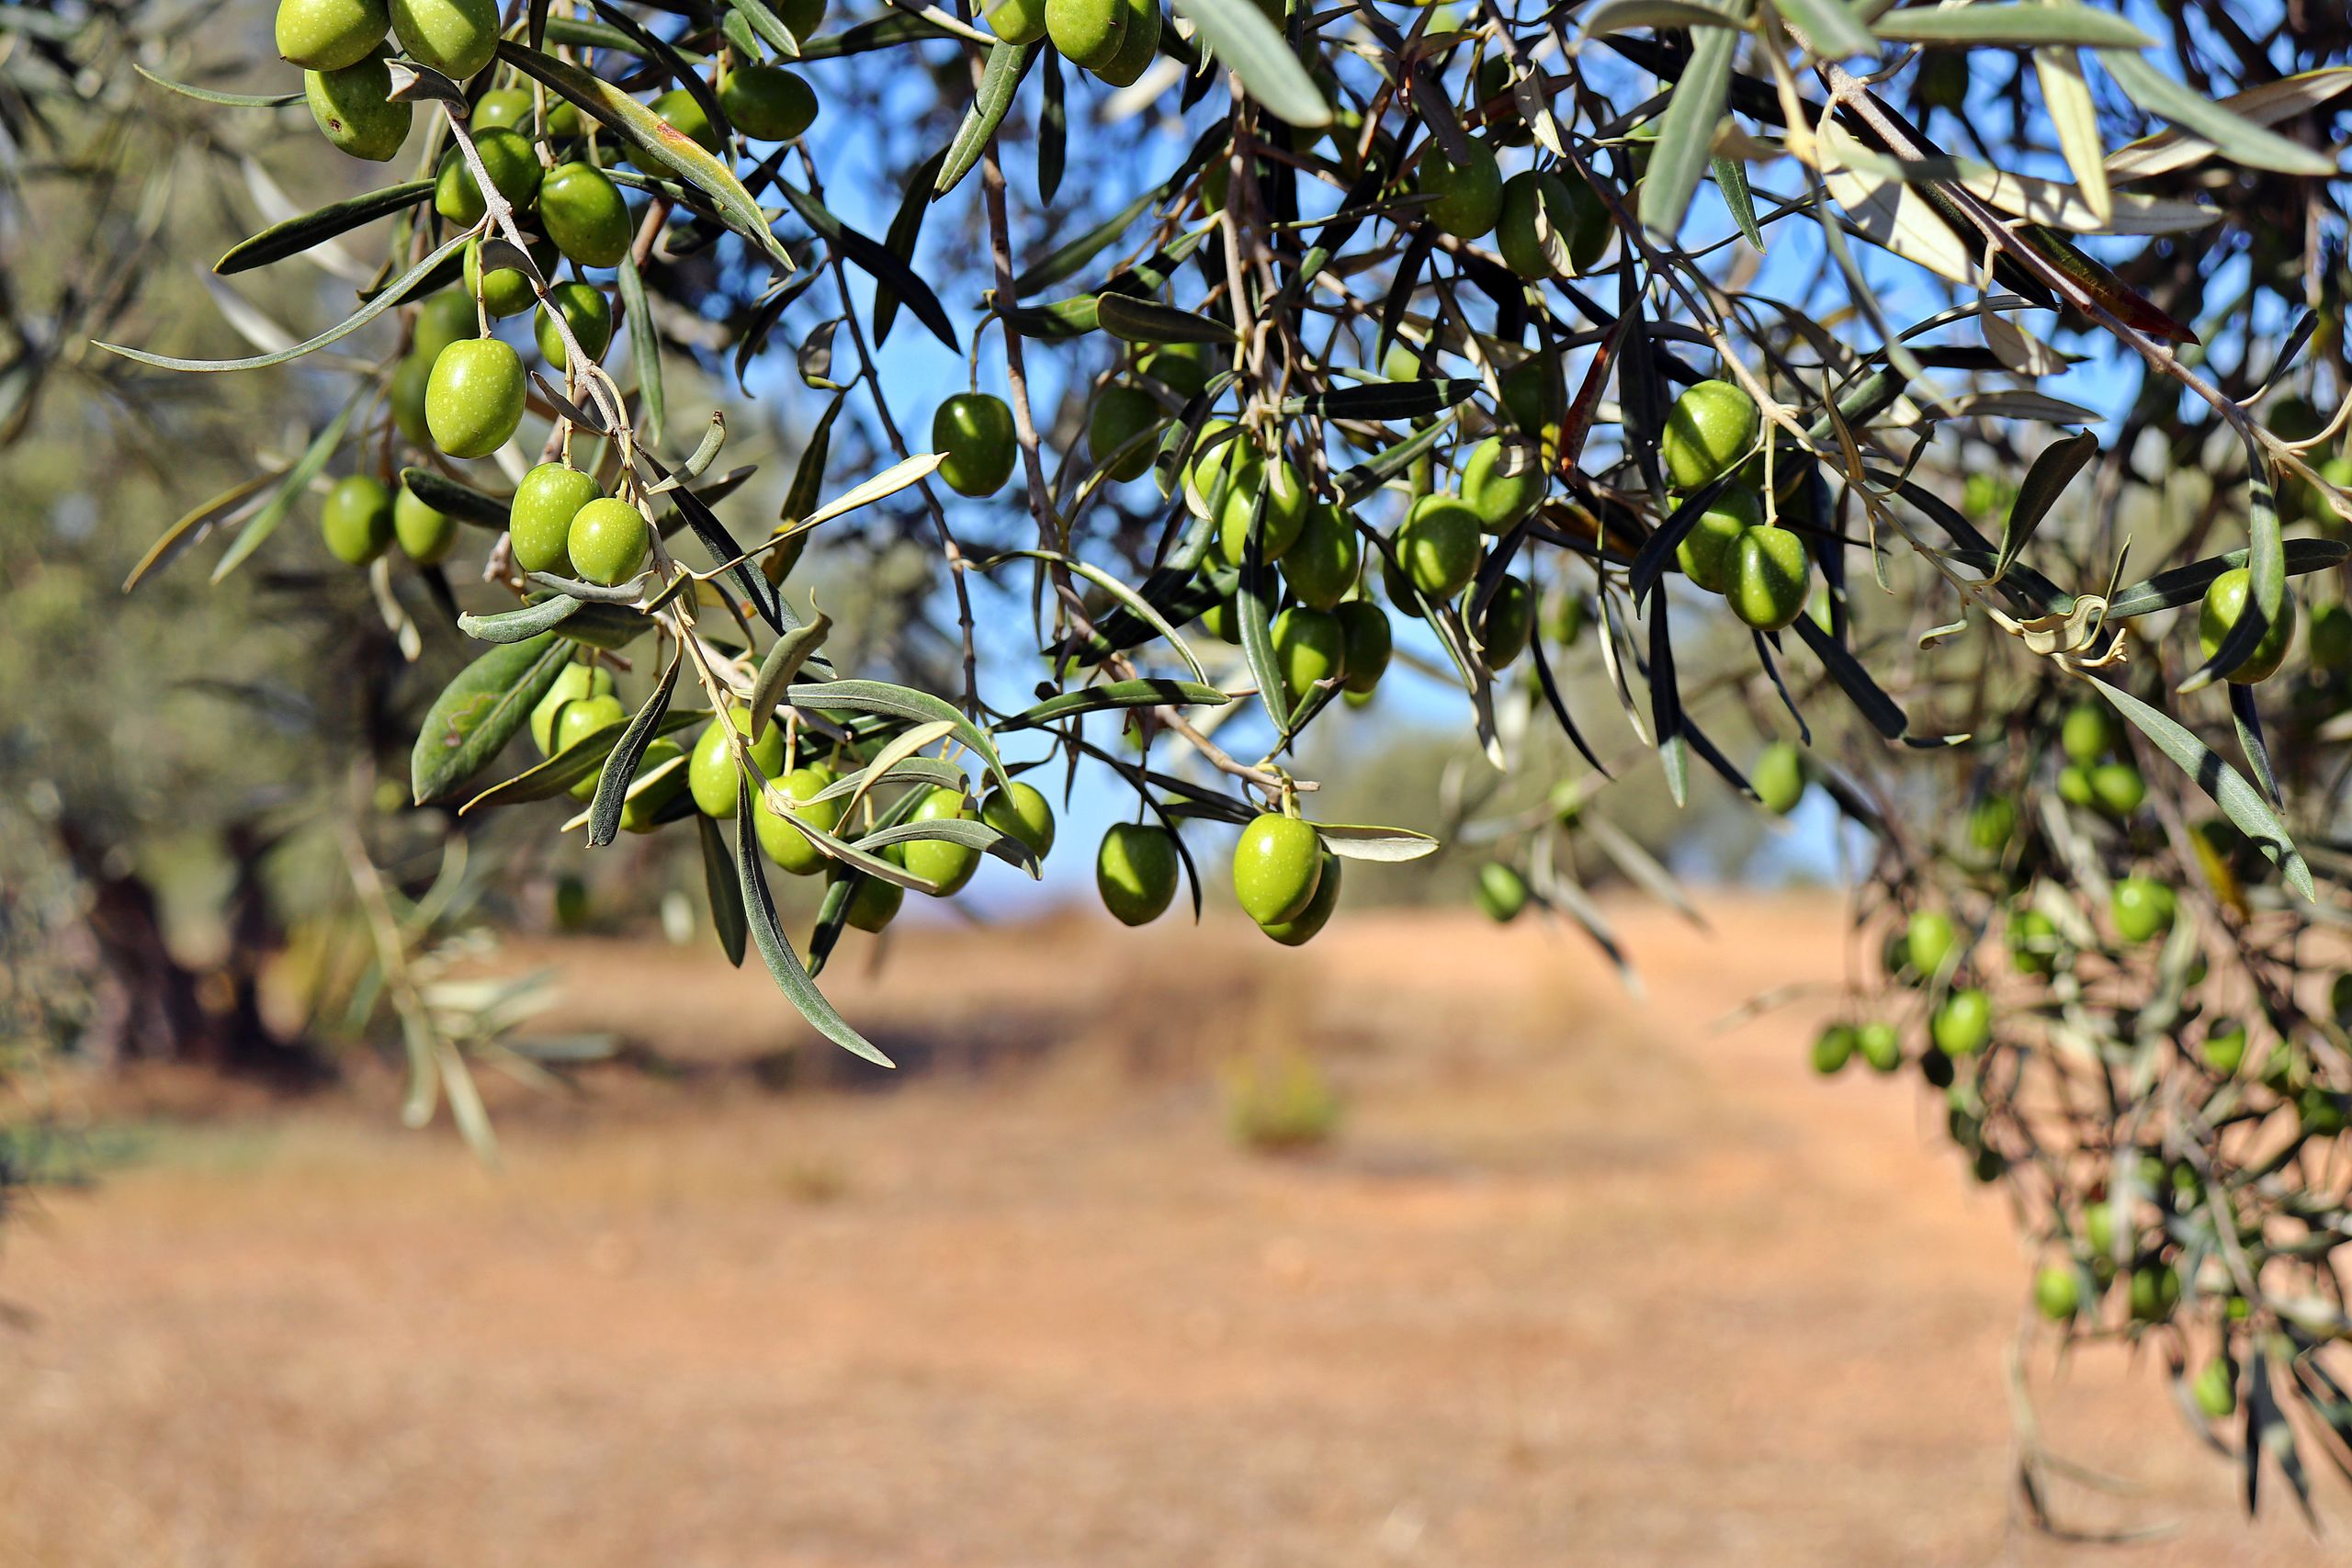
1581 1281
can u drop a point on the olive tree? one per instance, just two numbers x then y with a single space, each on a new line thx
1700 359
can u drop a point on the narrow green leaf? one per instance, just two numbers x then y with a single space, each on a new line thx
226 100
2186 584
898 702
875 260
620 767
727 919
776 950
588 621
776 36
1731 178
1148 321
1381 401
299 233
2010 25
1829 27
1238 32
1066 262
906 229
644 346
1357 840
480 711
198 523
1000 85
2235 138
2053 469
1139 693
580 760
784 661
1686 136
461 501
1629 16
291 489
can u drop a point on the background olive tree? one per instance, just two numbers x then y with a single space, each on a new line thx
1673 383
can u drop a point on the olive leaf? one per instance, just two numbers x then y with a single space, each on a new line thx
290 488
900 703
1137 694
1357 840
1238 32
461 501
225 100
728 921
620 767
775 948
2015 24
480 711
1000 83
596 623
2053 469
875 260
2265 572
580 760
1686 135
297 234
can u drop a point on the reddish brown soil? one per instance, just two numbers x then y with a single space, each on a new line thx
1582 1281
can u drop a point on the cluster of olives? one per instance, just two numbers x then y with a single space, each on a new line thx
1113 39
362 516
1763 570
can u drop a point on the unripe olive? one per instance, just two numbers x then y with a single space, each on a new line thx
1964 1023
1930 942
1469 195
2142 908
2319 1114
445 318
356 521
1992 823
1025 813
1438 546
802 18
355 111
572 684
2087 733
328 35
406 395
874 903
1570 614
2225 1047
1527 395
1502 892
456 38
1136 871
1138 44
1276 866
576 721
1505 125
1369 643
589 315
2098 1228
786 844
711 771
1184 369
1017 21
503 108
474 400
2033 942
1710 428
767 103
2154 1291
946 866
2226 604
1222 621
426 535
582 211
608 541
513 167
1779 777
539 521
1301 928
1503 481
1087 32
2058 1292
1518 235
1320 565
1708 553
1309 647
975 431
1771 574
1833 1048
639 809
1288 501
1121 414
2117 789
504 291
2330 645
1509 623
2215 1388
1880 1046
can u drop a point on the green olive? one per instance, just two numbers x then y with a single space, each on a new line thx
1138 44
2226 601
783 841
767 103
513 167
1320 565
1301 928
646 801
445 318
801 17
504 291
2141 908
1779 777
1369 643
2154 1291
1499 106
406 395
355 111
329 35
2088 732
2330 644
1880 1046
582 211
474 400
1528 396
1503 481
576 721
1310 646
975 431
1022 812
608 541
711 771
1502 892
1770 576
2034 942
456 38
1964 1023
2215 1388
1087 32
1710 551
2058 1292
1508 622
1275 867
945 865
1469 195
2117 789
1930 943
1017 21
1833 1048
1520 238
1710 428
589 315
426 535
1184 368
356 521
1992 823
573 683
1288 501
503 108
1438 546
1136 871
1122 414
2225 1047
874 903
539 521
1222 621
